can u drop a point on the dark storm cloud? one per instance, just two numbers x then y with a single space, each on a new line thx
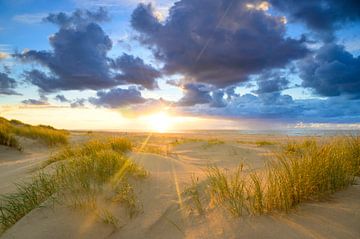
323 16
271 82
117 97
195 94
135 71
79 58
275 106
7 84
219 42
218 100
332 71
79 17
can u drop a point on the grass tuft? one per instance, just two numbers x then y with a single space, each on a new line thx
82 175
45 134
28 196
8 139
300 172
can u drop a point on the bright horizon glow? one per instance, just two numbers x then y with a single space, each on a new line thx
102 119
159 122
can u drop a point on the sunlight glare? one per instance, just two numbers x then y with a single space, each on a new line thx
159 122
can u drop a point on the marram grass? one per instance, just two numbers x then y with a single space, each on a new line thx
300 172
80 177
8 139
46 134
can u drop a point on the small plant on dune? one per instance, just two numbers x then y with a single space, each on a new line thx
153 149
28 196
119 145
7 139
81 176
300 172
227 190
108 218
255 194
194 193
311 171
213 142
184 141
264 143
125 195
46 134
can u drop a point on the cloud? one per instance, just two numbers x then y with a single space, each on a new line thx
332 71
195 94
271 81
217 42
33 18
283 108
7 84
78 18
78 103
79 58
135 71
322 16
117 97
34 102
61 98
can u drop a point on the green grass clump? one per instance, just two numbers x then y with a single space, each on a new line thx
153 149
311 171
119 145
213 142
108 218
227 190
262 143
89 172
83 175
28 196
8 139
300 172
45 134
125 195
184 141
193 192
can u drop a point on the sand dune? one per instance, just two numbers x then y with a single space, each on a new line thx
164 213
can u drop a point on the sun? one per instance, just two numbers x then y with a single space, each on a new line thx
159 122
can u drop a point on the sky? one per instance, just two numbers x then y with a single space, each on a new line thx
183 64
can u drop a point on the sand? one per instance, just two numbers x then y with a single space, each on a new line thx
165 214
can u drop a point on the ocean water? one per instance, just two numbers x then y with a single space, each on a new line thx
289 132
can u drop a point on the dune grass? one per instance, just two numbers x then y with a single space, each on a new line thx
8 139
213 142
153 149
81 176
259 143
262 143
27 197
193 193
300 172
46 134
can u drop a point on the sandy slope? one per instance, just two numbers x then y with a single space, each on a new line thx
16 166
165 214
